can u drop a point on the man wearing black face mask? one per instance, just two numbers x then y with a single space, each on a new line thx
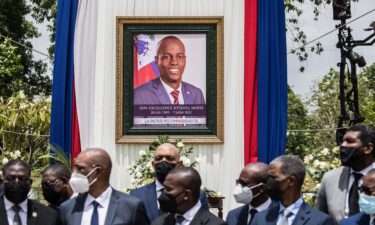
15 207
180 200
338 193
286 175
166 158
55 184
251 191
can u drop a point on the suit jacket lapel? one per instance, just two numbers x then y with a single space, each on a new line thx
3 212
272 215
32 213
160 92
77 213
112 208
242 215
340 194
200 217
303 215
152 202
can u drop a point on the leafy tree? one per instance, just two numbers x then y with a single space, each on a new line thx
14 25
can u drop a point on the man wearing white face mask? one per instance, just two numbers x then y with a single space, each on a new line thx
366 203
99 203
250 190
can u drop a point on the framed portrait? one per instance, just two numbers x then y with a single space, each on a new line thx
169 79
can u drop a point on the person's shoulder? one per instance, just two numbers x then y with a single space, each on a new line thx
335 172
121 196
355 219
42 208
236 211
213 219
147 86
142 189
190 86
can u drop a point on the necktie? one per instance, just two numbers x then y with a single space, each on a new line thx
17 218
179 219
284 218
175 97
252 213
353 195
95 214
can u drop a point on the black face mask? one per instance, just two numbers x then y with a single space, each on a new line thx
349 156
168 203
273 189
162 169
16 191
51 195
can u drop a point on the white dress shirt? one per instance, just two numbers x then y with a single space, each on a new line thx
351 181
159 188
88 209
169 90
291 208
189 215
11 212
260 208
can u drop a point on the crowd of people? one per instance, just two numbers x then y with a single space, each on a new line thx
270 194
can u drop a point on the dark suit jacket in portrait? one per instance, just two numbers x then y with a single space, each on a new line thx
154 93
238 216
306 216
123 209
357 219
332 193
37 214
147 194
203 217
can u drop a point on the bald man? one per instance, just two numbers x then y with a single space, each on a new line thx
251 192
99 203
166 158
169 88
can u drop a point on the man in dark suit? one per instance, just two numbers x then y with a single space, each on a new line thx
15 208
99 203
166 158
180 200
286 175
251 191
366 203
169 88
338 192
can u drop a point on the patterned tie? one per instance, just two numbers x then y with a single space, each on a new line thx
95 214
353 194
17 217
175 97
252 213
179 219
284 218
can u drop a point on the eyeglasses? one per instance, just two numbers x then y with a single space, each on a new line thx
50 183
243 183
366 190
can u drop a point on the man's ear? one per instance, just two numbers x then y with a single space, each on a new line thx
189 194
293 181
369 148
179 163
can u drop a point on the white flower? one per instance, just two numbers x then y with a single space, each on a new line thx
317 186
186 161
308 158
5 161
197 159
180 144
138 174
316 163
325 151
142 153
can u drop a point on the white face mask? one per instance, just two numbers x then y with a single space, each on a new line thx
244 194
79 183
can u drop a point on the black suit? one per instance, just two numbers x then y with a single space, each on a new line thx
37 214
203 217
122 209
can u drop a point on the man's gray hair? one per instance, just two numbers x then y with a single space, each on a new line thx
292 165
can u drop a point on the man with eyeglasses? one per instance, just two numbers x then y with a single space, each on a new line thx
15 206
55 184
99 203
366 203
166 158
168 88
251 191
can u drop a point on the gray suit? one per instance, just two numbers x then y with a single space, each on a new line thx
332 193
122 210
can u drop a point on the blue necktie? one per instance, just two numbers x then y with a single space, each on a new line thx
252 214
17 217
95 214
179 219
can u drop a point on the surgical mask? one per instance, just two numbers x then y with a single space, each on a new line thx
367 204
244 194
79 183
16 191
349 156
168 203
162 169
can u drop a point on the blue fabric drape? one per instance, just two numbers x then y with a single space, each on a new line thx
63 74
272 80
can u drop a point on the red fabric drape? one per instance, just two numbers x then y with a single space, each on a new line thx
250 83
76 142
